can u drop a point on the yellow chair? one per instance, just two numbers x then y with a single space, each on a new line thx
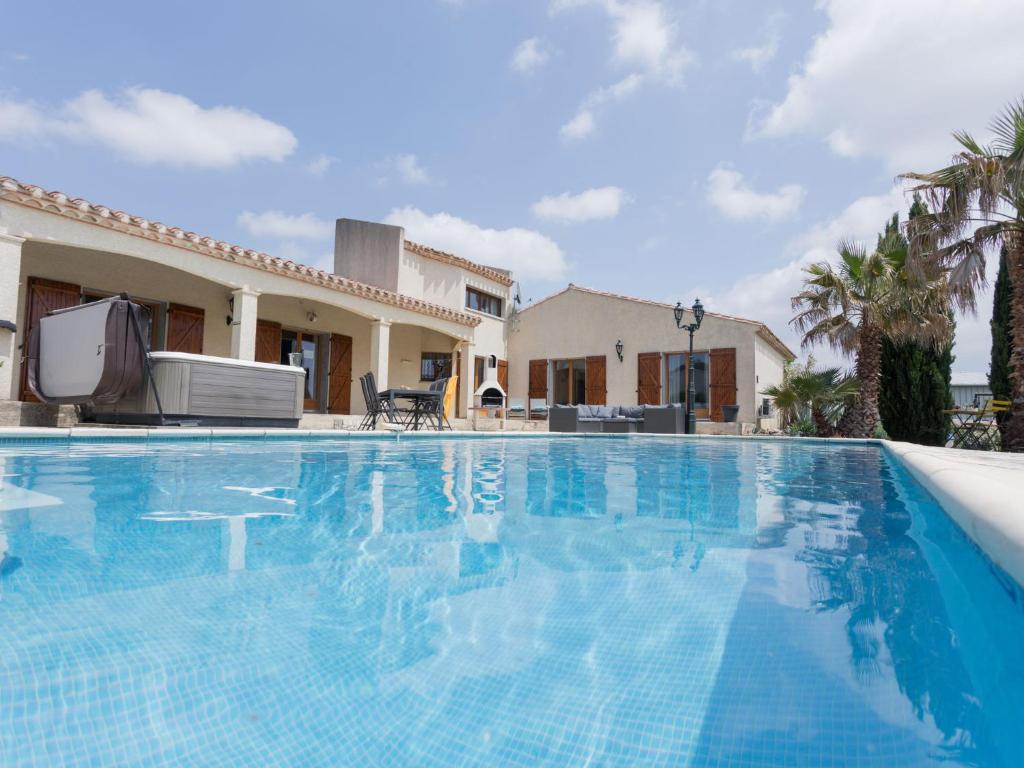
449 399
978 429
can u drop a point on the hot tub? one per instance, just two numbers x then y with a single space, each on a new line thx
212 391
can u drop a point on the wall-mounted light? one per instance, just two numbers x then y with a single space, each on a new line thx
231 310
618 349
311 316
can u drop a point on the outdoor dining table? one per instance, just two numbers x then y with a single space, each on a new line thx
421 398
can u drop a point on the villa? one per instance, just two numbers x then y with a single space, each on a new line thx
406 312
267 595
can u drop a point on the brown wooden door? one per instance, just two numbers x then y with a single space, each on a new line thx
43 296
648 378
503 375
268 342
184 329
722 380
597 388
339 375
538 389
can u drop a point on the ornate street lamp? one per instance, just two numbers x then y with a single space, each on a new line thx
691 389
618 349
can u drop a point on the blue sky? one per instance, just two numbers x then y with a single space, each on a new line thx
659 149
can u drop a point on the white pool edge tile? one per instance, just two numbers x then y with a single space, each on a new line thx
983 493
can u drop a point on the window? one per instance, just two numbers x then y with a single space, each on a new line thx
435 365
675 364
570 381
483 302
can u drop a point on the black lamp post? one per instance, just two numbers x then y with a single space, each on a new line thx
691 389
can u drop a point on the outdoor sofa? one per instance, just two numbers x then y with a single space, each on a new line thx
659 419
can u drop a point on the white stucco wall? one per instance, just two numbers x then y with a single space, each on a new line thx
578 323
445 284
769 366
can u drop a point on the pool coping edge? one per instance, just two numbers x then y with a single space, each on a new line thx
982 494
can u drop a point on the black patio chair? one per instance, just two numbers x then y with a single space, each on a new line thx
432 410
374 408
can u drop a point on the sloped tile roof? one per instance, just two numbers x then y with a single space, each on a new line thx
763 330
82 210
491 273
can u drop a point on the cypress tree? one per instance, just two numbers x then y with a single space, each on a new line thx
915 379
1002 343
999 370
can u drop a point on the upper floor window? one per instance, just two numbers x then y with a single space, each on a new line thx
483 302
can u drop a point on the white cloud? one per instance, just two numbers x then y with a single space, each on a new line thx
765 296
643 35
305 226
529 254
319 165
598 203
581 126
20 120
406 167
734 198
759 56
892 80
644 40
410 170
150 126
530 55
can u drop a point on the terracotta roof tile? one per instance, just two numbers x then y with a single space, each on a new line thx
491 273
82 210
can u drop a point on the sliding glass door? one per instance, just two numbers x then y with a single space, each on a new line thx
675 370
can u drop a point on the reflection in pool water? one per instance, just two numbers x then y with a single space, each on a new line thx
495 602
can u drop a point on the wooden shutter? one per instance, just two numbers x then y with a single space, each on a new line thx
538 380
339 375
722 381
503 375
184 329
648 374
268 342
43 296
597 389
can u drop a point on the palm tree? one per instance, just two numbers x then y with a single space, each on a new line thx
870 296
978 204
818 396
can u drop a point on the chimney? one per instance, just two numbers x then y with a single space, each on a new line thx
368 252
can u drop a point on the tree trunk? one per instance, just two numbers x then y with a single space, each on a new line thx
861 418
1013 434
821 425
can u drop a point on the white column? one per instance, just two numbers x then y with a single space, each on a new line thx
380 344
243 324
466 377
10 279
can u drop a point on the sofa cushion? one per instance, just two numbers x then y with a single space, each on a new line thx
584 411
603 411
630 411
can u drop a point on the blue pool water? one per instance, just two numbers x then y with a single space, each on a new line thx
495 602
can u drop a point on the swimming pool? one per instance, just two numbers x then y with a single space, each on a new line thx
495 602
